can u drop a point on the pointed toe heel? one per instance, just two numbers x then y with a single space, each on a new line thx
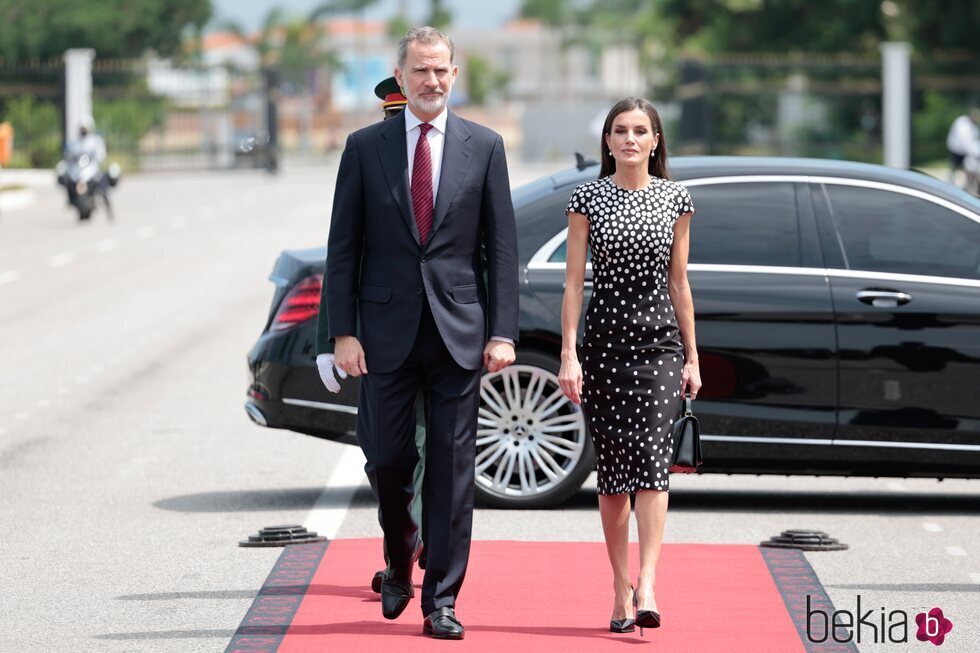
622 625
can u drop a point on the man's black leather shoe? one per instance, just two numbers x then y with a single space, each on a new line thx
443 624
395 593
418 553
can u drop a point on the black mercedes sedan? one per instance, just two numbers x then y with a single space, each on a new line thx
838 323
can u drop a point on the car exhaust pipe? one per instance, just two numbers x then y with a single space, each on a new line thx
256 414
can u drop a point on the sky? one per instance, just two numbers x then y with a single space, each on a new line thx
466 13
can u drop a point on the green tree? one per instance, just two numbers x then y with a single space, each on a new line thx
482 80
37 132
931 25
267 40
439 15
114 28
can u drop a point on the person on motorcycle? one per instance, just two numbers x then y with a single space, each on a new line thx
89 143
963 143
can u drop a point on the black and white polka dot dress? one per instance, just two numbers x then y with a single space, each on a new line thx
632 354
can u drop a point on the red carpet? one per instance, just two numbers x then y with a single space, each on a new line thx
523 596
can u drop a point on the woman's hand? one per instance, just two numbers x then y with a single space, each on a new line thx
570 379
691 379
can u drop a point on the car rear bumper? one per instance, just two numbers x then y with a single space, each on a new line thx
285 392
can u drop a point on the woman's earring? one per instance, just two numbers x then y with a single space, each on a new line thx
610 152
653 153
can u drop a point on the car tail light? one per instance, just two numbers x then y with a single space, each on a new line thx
300 304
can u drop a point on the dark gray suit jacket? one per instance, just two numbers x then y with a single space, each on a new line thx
377 273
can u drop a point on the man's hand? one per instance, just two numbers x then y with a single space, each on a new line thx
325 365
497 355
349 356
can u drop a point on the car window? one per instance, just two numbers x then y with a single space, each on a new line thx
745 224
562 251
540 219
886 231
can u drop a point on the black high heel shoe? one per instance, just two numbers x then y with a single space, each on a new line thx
645 618
626 625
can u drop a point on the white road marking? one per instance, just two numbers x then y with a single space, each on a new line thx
9 276
107 245
333 504
61 260
975 577
145 232
955 551
178 222
896 487
932 527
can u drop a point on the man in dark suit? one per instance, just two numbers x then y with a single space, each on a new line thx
392 103
421 287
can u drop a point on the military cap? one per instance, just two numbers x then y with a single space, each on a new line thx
392 100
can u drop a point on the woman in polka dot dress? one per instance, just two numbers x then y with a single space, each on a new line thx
639 354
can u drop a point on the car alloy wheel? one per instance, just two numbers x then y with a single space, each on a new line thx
532 444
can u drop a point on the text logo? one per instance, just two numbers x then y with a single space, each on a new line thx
933 626
846 626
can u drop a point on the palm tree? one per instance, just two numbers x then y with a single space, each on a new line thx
265 43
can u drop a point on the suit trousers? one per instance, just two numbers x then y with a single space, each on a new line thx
418 512
386 433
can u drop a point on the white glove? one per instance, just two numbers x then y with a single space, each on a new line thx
324 364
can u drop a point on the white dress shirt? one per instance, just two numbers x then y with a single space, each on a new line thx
437 140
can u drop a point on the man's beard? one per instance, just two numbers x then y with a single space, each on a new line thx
433 105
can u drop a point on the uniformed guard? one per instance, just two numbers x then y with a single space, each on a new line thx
392 100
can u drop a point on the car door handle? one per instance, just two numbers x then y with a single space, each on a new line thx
883 298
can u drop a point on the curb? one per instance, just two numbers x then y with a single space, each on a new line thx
16 199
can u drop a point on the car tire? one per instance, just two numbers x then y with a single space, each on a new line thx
533 446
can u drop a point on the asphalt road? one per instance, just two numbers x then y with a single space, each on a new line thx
129 471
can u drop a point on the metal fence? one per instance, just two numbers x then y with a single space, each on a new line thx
812 104
152 115
155 115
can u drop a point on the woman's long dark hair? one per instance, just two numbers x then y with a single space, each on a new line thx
657 166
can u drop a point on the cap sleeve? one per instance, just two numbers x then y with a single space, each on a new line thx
579 201
684 203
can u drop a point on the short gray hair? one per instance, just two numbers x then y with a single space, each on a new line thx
423 35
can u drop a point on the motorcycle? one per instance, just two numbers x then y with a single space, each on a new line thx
82 176
971 170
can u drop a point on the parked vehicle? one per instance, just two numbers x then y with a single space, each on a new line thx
838 325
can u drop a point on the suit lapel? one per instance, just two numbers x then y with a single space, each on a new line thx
394 164
455 160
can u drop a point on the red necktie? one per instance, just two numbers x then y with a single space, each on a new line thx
422 184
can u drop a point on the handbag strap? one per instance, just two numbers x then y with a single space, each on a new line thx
687 405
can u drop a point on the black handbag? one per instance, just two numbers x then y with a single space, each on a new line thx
687 442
